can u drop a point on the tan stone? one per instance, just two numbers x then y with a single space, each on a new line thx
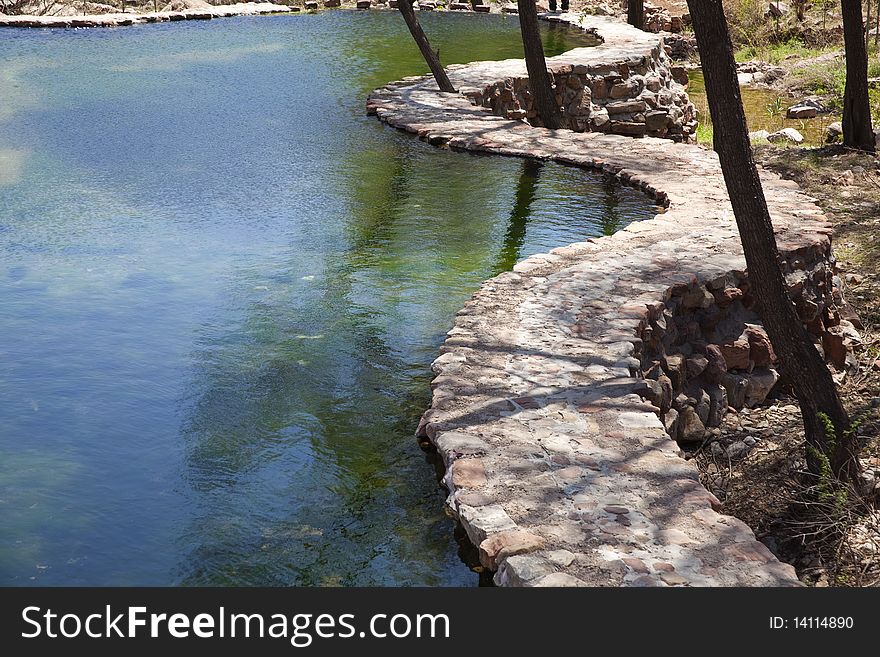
505 544
468 473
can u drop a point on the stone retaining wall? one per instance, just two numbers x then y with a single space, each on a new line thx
706 351
558 466
624 86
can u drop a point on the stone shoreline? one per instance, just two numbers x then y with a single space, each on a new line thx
555 388
130 18
215 11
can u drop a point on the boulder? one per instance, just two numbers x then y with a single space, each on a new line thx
777 9
680 75
695 365
670 422
697 296
736 450
716 367
759 135
717 405
691 429
761 383
666 392
736 353
673 365
510 8
833 132
703 406
834 346
801 112
657 120
814 103
760 350
786 135
626 107
736 386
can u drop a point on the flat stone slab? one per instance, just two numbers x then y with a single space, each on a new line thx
537 379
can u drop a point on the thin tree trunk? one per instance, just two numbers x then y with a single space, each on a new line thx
877 28
857 131
431 57
539 77
868 27
635 13
804 366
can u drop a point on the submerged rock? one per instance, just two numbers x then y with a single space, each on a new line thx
801 112
833 132
789 135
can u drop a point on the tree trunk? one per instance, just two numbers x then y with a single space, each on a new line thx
877 26
431 57
635 13
857 131
801 361
868 27
539 78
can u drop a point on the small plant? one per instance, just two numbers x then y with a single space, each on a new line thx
705 133
774 109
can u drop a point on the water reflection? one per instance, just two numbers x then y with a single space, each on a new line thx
515 236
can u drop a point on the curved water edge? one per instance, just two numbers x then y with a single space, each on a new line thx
229 298
552 405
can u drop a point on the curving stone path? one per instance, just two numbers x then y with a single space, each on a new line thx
131 18
556 468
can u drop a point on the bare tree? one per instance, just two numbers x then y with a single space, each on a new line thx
539 78
857 131
803 365
432 58
635 13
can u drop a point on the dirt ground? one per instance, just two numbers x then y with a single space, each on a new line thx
764 485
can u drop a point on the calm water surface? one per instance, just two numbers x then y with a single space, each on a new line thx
221 287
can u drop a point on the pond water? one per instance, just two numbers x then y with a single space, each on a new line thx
765 110
222 286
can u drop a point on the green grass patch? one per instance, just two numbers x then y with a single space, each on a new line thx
777 52
705 133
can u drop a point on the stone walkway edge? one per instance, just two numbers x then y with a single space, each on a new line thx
559 472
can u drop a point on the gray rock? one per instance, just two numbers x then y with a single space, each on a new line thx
759 135
702 407
680 402
736 450
717 366
650 390
692 429
695 365
737 386
673 365
670 423
761 383
833 132
717 405
786 135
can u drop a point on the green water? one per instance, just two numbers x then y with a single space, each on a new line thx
221 288
765 110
